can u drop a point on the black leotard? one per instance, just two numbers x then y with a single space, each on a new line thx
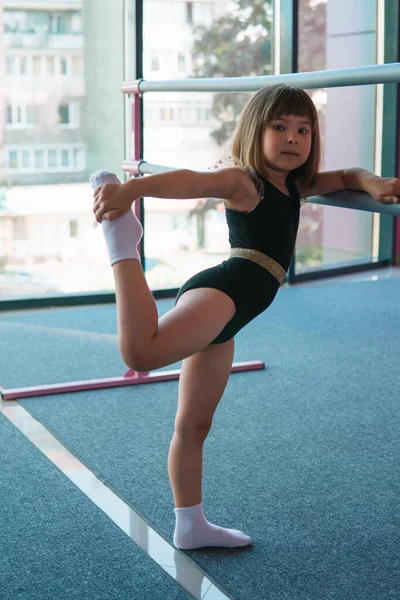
270 228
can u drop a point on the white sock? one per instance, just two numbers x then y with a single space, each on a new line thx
123 234
192 531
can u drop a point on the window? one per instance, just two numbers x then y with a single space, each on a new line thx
165 13
45 160
326 41
181 62
202 14
14 21
63 112
68 115
30 114
185 112
44 64
76 67
23 65
28 21
52 159
59 24
50 65
19 116
19 228
10 65
64 158
73 229
12 159
39 159
178 130
189 13
36 65
76 23
78 158
26 159
155 60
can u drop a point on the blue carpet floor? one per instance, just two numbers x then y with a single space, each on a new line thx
89 349
303 456
55 544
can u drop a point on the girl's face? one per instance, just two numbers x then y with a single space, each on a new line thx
287 142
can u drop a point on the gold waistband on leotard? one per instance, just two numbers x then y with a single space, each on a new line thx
261 259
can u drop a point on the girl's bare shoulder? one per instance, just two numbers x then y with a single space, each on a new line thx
252 189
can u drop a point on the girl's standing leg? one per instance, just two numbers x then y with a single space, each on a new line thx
202 382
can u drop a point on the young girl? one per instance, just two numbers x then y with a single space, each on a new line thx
273 164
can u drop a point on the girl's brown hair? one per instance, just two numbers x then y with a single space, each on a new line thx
267 104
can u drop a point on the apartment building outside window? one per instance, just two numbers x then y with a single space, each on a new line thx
45 160
53 126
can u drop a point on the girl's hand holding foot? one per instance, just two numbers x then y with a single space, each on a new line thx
111 201
112 205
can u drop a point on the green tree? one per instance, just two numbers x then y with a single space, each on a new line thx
238 44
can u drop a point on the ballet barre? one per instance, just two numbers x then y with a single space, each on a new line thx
344 199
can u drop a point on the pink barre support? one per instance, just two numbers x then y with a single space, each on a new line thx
130 378
132 166
397 243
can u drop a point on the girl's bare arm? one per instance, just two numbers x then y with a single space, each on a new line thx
232 185
382 189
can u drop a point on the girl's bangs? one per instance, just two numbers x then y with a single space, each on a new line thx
295 102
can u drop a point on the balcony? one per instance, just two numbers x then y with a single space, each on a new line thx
43 4
50 41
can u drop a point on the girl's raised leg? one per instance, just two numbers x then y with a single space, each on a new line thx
145 342
202 382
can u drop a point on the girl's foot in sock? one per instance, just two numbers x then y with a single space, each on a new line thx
100 178
123 234
194 531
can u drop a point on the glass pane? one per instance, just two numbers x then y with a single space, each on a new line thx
39 159
30 115
52 159
78 158
26 159
64 158
50 65
23 65
36 65
10 65
76 66
47 228
63 112
193 129
13 159
331 236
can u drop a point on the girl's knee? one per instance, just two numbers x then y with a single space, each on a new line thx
137 360
193 430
